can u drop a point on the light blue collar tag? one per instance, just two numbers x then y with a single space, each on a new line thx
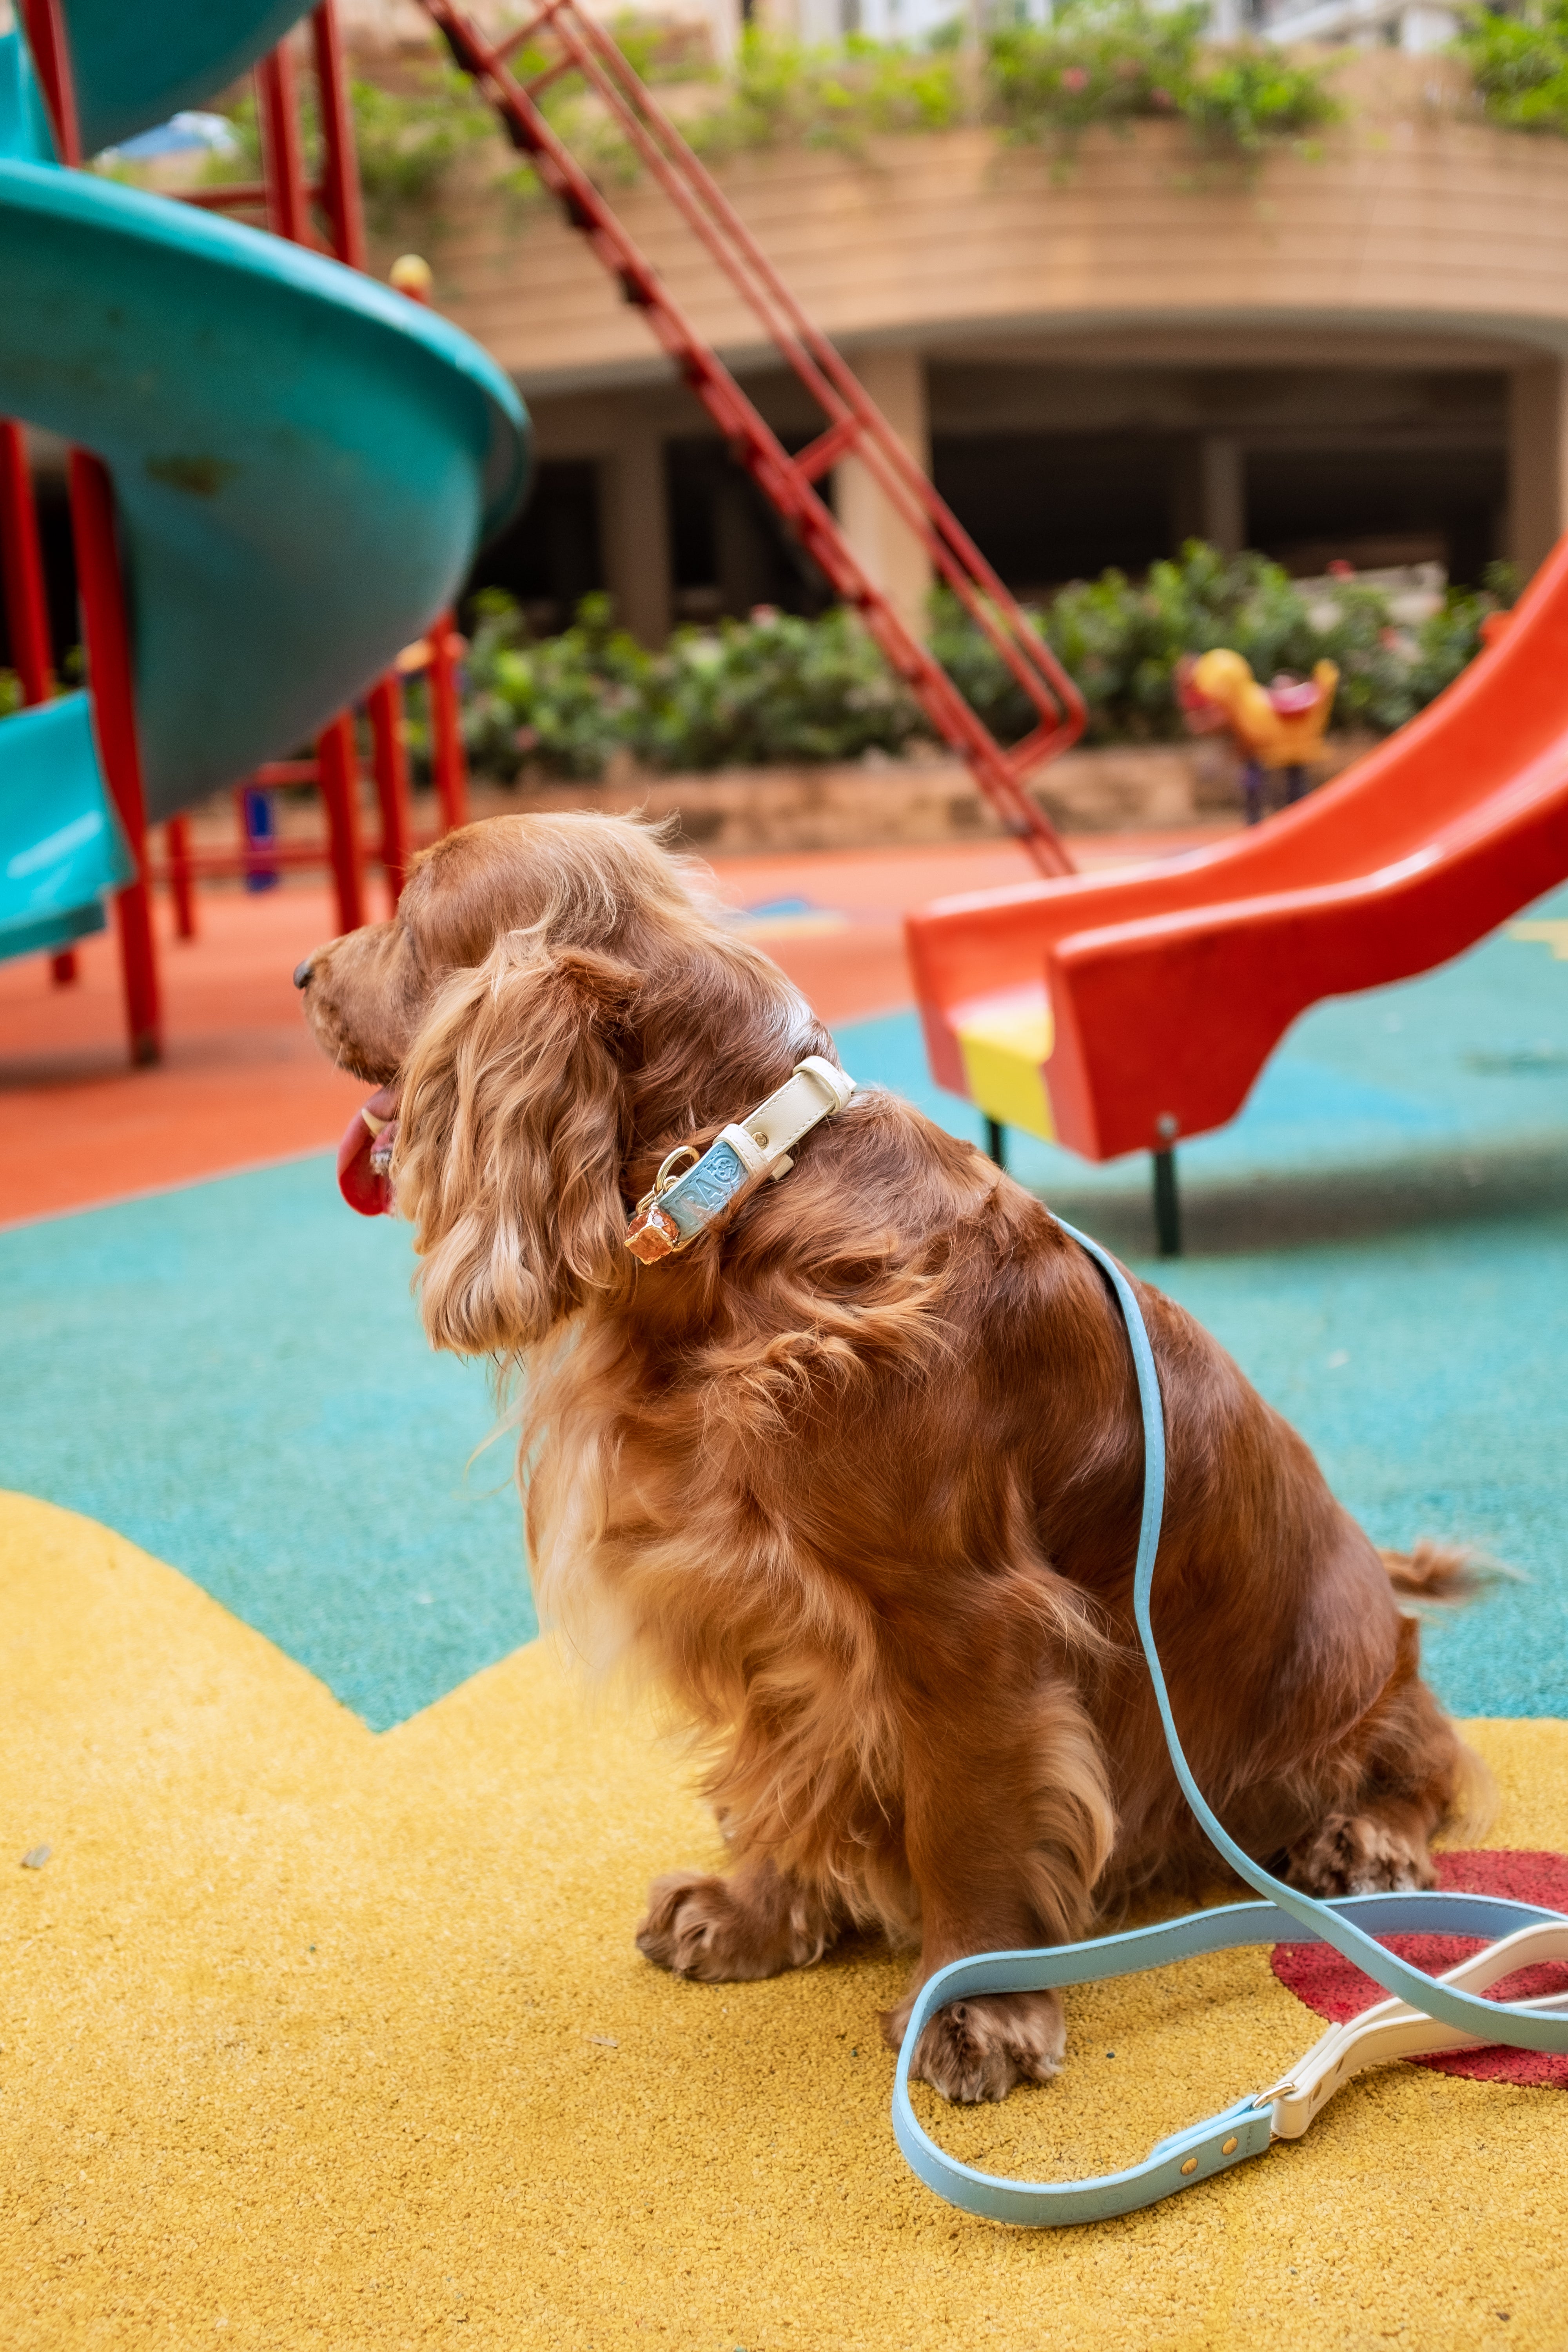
680 1207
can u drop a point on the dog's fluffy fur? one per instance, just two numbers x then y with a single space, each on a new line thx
857 1475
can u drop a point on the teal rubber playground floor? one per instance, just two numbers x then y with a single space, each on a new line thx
233 1374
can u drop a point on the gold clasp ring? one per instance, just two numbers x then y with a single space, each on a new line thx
662 1182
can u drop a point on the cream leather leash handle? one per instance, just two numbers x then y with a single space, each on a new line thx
1350 1926
1394 2030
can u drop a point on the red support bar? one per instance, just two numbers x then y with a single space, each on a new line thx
44 24
22 568
448 765
340 789
107 638
177 839
230 195
230 865
340 191
285 772
384 706
288 204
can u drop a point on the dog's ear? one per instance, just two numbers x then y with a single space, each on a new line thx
511 1139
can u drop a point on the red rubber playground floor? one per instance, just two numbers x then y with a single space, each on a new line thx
241 1083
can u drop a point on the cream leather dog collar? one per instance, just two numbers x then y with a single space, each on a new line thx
678 1208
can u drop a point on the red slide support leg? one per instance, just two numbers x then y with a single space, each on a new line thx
25 602
182 884
22 569
450 767
384 706
339 765
114 718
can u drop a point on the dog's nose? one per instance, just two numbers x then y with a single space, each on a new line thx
303 973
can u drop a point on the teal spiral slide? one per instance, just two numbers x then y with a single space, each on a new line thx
303 461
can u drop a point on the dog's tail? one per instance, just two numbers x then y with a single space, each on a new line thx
1441 1575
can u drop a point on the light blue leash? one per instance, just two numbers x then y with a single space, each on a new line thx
1247 2128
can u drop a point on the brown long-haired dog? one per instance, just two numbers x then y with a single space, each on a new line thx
857 1475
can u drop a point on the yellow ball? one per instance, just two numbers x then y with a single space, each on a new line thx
412 275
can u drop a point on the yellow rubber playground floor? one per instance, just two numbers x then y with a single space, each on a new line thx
315 2037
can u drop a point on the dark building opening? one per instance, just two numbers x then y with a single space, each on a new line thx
728 549
1378 506
553 554
1046 507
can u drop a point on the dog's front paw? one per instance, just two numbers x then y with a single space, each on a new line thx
699 1926
1353 1854
981 2048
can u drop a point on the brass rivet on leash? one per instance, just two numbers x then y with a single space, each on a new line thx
1192 2163
1228 2148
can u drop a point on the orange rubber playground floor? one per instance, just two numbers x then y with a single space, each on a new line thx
241 1083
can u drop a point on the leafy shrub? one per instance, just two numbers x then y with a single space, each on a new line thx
563 704
407 140
1520 64
1120 642
10 693
1097 61
1119 62
1244 98
776 687
773 687
781 93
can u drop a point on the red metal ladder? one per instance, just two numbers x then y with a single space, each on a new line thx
854 426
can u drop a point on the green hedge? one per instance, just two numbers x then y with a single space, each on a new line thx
776 687
1520 64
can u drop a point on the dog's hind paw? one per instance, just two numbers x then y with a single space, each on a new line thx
980 2048
725 1931
1355 1854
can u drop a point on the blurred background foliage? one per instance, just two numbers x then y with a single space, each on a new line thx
776 687
1519 62
1099 61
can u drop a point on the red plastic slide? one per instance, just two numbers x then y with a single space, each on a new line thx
1116 1013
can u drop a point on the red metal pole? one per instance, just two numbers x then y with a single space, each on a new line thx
385 705
340 171
446 759
44 23
27 606
177 839
114 718
340 789
288 205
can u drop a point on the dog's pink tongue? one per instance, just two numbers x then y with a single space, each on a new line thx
365 1186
